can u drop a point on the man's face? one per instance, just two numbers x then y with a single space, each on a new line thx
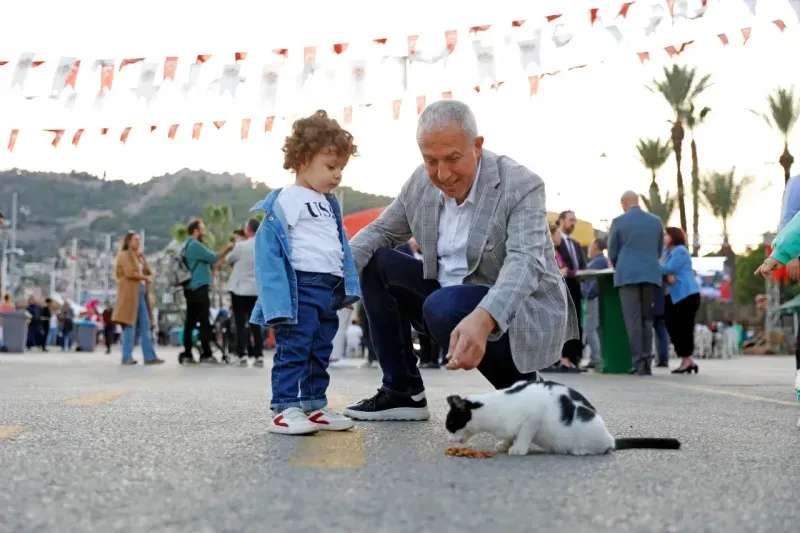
593 251
568 223
201 232
451 160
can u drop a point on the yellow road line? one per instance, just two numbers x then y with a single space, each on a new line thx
95 398
331 449
9 432
710 390
729 393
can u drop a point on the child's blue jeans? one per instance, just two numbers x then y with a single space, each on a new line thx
300 368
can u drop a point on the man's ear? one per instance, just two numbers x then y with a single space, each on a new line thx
456 402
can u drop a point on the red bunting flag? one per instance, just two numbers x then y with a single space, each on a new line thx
77 138
124 137
56 137
170 65
173 130
412 44
420 104
348 115
241 56
126 62
396 108
269 123
198 126
451 37
533 81
245 128
12 140
219 123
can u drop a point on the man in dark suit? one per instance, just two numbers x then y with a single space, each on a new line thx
635 241
572 254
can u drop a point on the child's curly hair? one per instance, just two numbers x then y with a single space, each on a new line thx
313 135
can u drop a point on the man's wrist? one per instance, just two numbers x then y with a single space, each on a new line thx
490 324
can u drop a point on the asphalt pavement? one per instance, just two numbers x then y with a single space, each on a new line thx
89 445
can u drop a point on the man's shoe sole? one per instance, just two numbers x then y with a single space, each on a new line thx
398 414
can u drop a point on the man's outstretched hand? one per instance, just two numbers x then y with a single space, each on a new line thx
468 340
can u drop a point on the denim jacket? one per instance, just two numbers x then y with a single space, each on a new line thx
275 277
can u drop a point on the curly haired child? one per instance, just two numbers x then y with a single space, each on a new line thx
305 273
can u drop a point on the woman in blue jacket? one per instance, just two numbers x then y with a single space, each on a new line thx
682 298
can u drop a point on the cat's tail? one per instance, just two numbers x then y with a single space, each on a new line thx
659 444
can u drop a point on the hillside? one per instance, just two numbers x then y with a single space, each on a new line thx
57 207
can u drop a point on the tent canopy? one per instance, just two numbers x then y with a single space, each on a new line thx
354 222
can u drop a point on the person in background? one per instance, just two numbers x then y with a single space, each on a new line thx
199 260
789 208
566 364
108 326
44 323
35 323
366 338
241 254
572 256
785 249
7 304
660 327
67 321
52 326
591 326
134 309
429 352
682 298
635 241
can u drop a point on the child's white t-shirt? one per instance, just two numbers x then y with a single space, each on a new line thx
313 231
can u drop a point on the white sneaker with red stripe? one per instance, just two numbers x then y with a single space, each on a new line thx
292 421
330 420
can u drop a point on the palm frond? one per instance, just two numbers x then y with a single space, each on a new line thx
662 208
680 87
653 153
721 192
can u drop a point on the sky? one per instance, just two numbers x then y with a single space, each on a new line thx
561 133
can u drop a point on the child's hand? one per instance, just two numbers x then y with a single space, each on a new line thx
768 266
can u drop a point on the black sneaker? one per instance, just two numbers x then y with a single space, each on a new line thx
388 406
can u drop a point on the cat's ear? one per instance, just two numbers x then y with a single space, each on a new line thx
456 402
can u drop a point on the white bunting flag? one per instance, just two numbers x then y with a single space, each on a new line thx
24 63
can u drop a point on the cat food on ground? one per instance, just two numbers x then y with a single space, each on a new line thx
469 452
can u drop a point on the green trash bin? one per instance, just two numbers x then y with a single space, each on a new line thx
614 347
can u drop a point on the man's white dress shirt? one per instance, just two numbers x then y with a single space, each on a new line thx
454 223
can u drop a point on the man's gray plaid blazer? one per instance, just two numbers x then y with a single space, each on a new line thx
509 249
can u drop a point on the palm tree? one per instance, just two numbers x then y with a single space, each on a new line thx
784 111
692 122
662 208
721 194
680 87
653 154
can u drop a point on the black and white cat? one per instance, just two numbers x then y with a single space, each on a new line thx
554 417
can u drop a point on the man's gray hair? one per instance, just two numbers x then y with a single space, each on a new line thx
441 114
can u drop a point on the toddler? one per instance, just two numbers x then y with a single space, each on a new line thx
305 273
